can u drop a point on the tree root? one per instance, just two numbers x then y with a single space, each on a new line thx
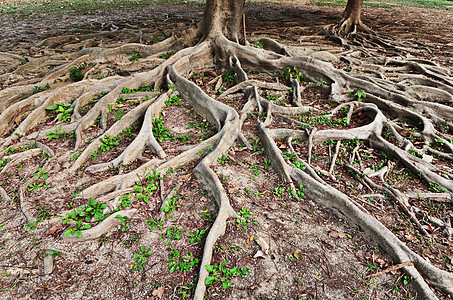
98 230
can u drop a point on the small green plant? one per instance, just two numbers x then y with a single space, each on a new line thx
108 143
56 134
63 111
257 146
141 259
54 253
278 191
196 236
358 94
293 158
181 263
4 162
245 214
124 222
131 240
76 155
205 215
435 187
35 186
38 89
93 209
170 206
224 159
221 274
135 56
229 75
320 82
258 45
271 97
154 224
292 72
172 233
160 131
41 174
255 170
173 100
75 73
147 188
167 54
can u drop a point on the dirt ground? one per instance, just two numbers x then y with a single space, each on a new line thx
293 250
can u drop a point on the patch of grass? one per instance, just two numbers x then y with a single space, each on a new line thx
173 100
58 133
435 187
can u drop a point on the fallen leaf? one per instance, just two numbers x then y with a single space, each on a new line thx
260 254
185 177
337 234
263 244
137 205
159 292
54 228
296 255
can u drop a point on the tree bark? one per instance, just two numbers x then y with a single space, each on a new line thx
223 16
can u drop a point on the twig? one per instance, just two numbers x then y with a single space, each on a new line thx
393 268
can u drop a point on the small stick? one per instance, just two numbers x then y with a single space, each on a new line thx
393 268
337 150
243 26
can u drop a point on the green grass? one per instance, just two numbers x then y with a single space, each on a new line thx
41 7
26 7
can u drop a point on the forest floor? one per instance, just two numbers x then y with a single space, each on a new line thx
294 250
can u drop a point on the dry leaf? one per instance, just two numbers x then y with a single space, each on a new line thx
263 244
137 205
296 255
184 177
337 234
54 228
159 292
260 254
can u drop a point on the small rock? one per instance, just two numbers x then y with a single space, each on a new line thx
48 264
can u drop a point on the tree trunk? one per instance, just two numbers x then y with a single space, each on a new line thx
351 16
223 16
